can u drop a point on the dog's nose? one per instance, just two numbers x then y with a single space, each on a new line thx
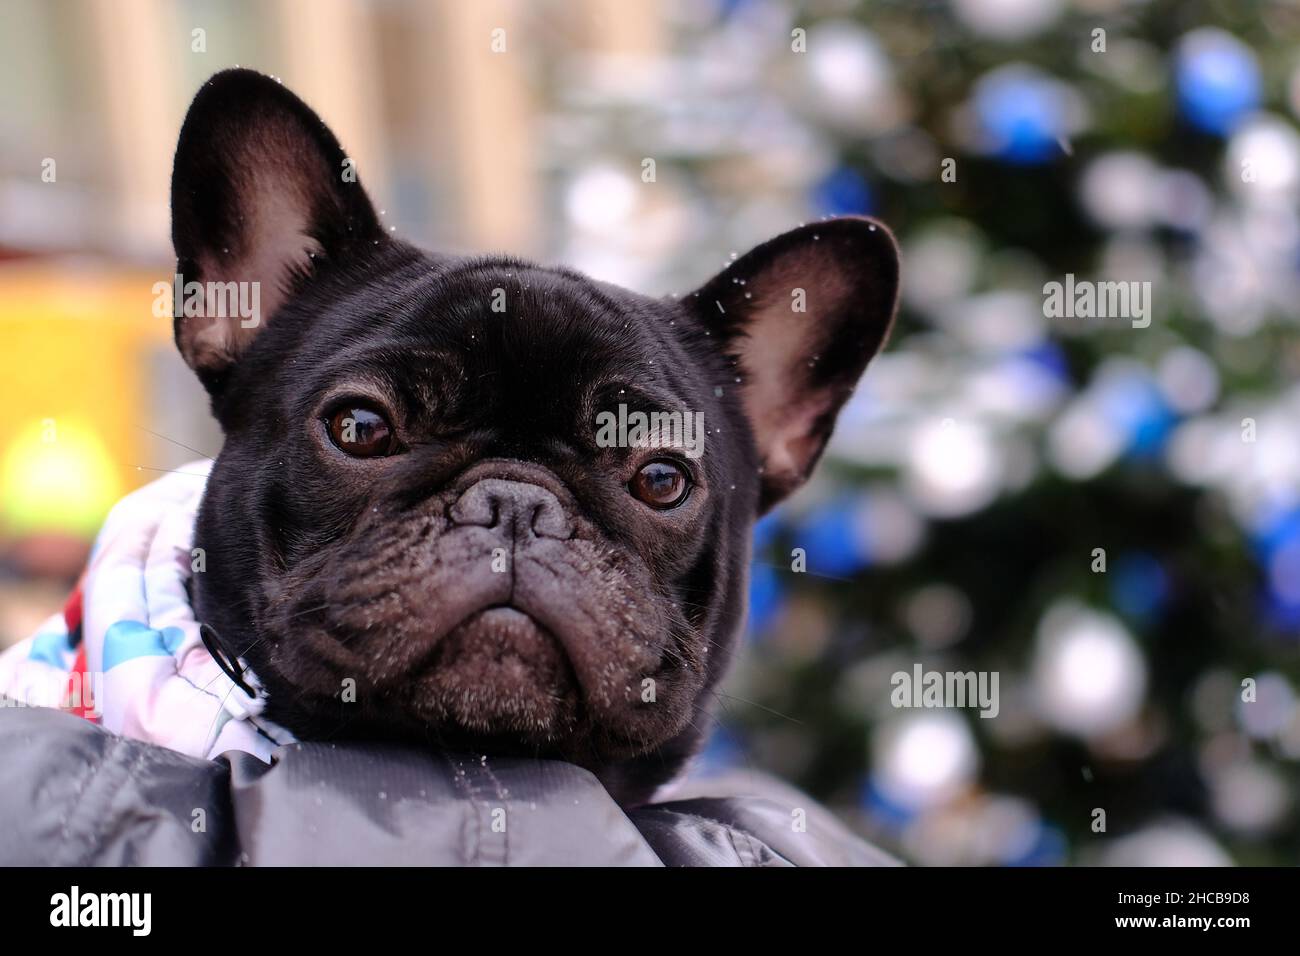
519 508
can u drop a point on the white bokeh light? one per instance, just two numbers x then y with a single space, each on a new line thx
1272 708
1119 190
1249 796
600 198
1173 842
952 467
1083 442
924 759
1188 380
1263 160
940 266
1089 676
1007 19
851 77
888 528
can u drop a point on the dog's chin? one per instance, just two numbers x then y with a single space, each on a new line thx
500 674
550 667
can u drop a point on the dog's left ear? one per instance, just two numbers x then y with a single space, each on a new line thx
261 192
803 314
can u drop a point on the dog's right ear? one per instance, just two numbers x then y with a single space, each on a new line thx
261 193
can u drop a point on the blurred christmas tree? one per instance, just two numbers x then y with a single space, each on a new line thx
1106 515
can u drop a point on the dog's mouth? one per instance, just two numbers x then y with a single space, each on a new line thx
572 653
500 671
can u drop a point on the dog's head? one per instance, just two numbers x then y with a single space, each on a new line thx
437 513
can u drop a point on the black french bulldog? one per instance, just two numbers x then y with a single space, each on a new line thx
410 494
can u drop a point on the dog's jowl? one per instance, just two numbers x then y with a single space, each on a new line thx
414 530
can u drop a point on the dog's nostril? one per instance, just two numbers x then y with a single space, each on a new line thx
548 520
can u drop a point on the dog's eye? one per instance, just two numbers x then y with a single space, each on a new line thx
660 484
362 432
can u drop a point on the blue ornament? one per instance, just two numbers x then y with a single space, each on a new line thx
1048 849
766 530
1274 529
884 811
1281 614
1135 405
844 192
1217 80
830 538
1276 540
1139 585
722 751
766 598
729 8
1050 357
1022 114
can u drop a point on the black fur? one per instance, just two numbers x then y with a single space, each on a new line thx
323 568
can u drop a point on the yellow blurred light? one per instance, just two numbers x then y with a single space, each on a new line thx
57 476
